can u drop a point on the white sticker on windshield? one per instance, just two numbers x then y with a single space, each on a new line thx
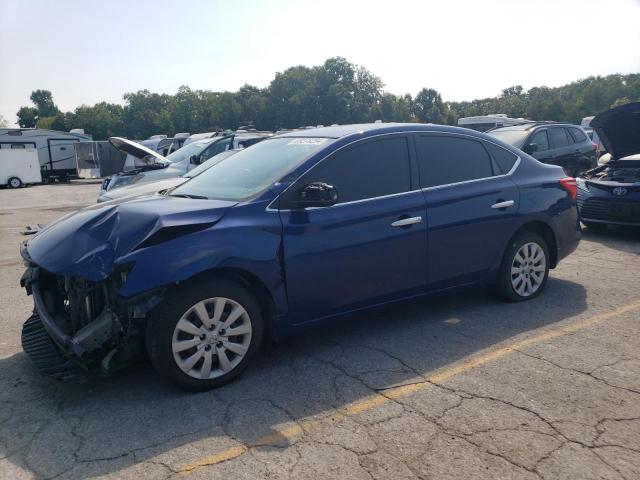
307 141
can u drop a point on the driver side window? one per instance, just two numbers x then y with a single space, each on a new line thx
368 169
541 140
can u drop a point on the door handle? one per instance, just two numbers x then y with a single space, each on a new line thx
505 204
405 222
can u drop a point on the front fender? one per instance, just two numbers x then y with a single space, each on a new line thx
247 239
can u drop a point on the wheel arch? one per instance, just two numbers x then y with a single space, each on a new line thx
546 232
252 283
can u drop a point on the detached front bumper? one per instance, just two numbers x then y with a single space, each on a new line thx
81 344
82 324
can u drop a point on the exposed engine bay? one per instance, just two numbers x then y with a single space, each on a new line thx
617 171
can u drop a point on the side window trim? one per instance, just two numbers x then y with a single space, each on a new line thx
274 205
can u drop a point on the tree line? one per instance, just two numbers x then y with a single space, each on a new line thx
337 91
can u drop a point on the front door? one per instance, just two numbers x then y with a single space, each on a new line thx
368 248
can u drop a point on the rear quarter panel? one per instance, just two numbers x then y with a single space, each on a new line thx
543 199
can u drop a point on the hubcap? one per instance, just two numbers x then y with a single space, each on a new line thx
211 338
15 183
528 269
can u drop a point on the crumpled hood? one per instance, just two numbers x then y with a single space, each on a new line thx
89 242
619 130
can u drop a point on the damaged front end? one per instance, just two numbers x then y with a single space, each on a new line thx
96 274
82 328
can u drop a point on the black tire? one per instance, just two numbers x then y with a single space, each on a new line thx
595 226
505 285
163 320
14 182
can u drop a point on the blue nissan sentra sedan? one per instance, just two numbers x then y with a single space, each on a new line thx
298 229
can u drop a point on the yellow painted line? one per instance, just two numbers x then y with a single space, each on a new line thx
392 393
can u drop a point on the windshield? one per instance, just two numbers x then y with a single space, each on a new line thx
252 170
512 137
186 151
209 163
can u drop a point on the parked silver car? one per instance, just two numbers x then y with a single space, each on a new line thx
161 186
151 166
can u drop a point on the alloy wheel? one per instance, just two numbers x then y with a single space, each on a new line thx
528 269
211 338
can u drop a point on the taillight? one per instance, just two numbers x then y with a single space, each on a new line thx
569 184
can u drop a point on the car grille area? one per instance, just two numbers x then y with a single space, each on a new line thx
610 210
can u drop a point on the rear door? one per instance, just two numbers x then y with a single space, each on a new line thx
368 248
583 149
471 204
563 150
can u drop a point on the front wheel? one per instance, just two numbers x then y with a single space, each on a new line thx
525 268
204 335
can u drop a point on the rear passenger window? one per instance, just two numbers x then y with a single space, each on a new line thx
449 159
558 137
368 170
578 135
504 159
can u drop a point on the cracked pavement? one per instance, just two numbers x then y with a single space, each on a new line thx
461 386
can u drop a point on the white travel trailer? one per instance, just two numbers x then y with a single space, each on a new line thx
19 166
56 151
487 122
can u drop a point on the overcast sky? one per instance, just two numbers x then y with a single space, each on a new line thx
85 52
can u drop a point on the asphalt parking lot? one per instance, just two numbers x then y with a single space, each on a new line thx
455 387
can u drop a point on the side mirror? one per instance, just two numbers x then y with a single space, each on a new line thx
531 148
193 160
316 194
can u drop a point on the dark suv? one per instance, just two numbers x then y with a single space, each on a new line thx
565 145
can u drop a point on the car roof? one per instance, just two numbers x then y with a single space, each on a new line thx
533 125
340 131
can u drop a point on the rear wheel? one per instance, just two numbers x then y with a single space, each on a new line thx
14 182
525 268
204 335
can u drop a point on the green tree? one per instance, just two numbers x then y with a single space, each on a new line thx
293 100
428 106
27 117
102 120
43 100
